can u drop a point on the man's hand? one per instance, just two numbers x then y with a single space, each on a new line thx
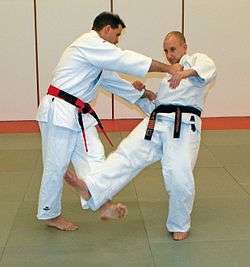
138 85
176 78
174 68
149 95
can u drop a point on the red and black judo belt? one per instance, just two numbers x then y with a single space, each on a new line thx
83 108
178 110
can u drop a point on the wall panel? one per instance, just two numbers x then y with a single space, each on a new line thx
222 31
209 28
17 64
147 24
60 22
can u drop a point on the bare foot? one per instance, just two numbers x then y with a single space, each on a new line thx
62 224
178 236
113 211
77 183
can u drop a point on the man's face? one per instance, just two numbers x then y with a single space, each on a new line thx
174 49
111 35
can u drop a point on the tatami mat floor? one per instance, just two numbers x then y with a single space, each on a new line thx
220 233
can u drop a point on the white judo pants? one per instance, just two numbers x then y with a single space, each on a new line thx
178 157
60 146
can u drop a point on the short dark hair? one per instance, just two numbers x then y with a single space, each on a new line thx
107 18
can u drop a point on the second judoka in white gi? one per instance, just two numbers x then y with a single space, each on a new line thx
177 155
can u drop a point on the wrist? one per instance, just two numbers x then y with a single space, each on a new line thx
170 69
189 72
143 93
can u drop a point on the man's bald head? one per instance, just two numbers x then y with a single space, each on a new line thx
179 35
174 46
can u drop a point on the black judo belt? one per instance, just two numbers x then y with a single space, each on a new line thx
82 108
178 110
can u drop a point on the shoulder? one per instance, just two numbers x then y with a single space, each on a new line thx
88 38
200 56
197 58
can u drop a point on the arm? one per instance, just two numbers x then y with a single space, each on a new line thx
105 55
176 78
120 87
147 93
202 69
131 92
157 66
205 68
145 103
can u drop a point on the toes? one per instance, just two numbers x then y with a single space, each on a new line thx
61 224
114 211
178 236
121 210
72 227
69 175
69 227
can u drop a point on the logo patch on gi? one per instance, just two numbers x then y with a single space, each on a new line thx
46 208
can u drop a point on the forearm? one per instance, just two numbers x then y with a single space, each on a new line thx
176 78
188 73
157 66
149 95
113 83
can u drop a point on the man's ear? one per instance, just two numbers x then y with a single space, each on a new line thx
107 28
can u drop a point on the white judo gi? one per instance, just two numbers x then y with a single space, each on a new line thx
177 155
87 63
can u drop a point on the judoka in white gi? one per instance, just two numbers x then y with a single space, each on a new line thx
89 62
177 155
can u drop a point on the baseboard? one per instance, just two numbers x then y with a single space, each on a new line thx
211 123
